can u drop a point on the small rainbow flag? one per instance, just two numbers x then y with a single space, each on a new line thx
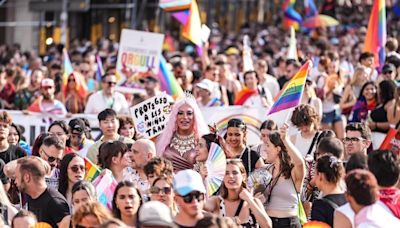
168 81
375 39
290 95
67 67
243 95
80 83
92 171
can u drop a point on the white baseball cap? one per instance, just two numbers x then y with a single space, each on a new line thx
187 181
155 213
206 84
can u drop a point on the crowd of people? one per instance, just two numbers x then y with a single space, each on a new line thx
329 172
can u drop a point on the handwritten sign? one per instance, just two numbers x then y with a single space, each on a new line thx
151 115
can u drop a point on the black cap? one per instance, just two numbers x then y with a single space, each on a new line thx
388 67
77 126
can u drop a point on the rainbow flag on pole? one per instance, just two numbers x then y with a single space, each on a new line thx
290 95
92 171
168 81
375 39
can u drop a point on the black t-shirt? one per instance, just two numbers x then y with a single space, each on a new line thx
254 157
3 177
323 211
13 152
282 81
50 207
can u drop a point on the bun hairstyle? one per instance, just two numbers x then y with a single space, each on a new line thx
331 167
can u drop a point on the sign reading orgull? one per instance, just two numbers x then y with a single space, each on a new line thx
151 115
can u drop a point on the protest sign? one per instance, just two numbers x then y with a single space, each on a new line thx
151 115
138 52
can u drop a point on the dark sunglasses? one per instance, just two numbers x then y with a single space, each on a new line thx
157 190
387 72
194 195
76 168
50 158
71 80
111 83
80 226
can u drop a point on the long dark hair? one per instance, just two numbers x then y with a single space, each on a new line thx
210 138
387 91
38 143
116 212
284 158
63 179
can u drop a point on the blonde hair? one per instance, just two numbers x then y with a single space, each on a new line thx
95 209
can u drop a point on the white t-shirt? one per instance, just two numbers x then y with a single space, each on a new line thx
97 102
375 216
272 85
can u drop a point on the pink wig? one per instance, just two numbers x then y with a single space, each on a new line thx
200 127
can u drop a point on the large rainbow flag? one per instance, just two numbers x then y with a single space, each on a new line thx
291 16
168 81
375 39
188 15
290 95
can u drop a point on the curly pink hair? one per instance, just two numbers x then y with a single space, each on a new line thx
200 127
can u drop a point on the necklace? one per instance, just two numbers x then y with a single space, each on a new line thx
183 144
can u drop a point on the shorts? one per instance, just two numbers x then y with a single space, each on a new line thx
331 117
290 222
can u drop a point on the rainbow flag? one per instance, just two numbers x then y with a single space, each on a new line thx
290 95
192 29
291 16
80 83
67 67
174 5
92 171
375 39
243 95
168 81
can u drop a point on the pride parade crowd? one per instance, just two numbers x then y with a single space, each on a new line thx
325 167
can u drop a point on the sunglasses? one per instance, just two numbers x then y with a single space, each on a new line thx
387 72
80 226
352 139
71 80
47 87
76 168
111 83
157 190
51 159
194 195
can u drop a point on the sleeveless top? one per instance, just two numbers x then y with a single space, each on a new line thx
379 115
283 196
251 221
180 162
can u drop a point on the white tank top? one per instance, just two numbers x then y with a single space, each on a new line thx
303 144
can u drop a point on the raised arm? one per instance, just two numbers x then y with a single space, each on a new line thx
299 169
